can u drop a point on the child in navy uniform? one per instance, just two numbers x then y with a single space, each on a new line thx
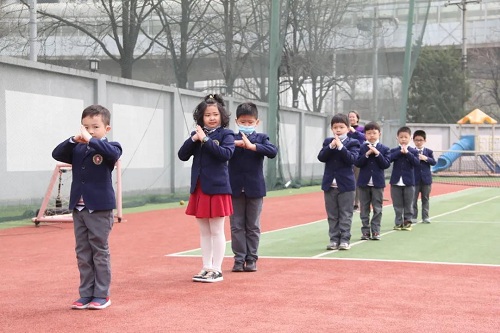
405 159
211 145
248 186
373 159
92 201
339 153
423 176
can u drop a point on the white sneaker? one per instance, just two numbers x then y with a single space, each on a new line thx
199 277
344 246
332 246
212 276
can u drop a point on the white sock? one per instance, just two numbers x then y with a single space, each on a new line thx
218 242
205 243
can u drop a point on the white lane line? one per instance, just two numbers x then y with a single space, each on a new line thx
436 216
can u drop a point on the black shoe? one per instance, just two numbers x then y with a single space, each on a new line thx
365 236
250 266
238 266
356 207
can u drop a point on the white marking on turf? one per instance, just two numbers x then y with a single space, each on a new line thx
385 260
355 259
321 255
390 232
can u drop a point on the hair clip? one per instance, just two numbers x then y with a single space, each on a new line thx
211 96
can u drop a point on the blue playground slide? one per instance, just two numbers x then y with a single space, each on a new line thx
445 161
466 142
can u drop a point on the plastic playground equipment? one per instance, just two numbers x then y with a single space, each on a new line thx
470 143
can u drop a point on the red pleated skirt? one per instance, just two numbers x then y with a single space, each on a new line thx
203 205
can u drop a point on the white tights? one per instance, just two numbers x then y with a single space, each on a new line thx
212 242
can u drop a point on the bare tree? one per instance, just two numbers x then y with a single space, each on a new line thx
254 36
184 34
487 79
113 26
12 27
230 37
313 30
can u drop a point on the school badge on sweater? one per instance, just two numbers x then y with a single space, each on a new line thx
97 159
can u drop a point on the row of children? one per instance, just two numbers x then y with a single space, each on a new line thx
227 179
349 147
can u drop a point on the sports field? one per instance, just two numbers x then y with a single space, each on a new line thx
439 277
465 229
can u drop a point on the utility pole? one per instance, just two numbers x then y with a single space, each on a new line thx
375 64
462 4
405 84
375 28
33 31
274 65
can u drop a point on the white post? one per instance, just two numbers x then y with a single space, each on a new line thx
375 66
33 31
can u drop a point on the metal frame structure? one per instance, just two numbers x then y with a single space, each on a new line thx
62 215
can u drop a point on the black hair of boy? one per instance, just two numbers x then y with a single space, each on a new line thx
420 133
340 118
247 109
372 126
97 110
212 99
404 129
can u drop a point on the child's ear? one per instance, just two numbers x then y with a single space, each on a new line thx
108 128
257 122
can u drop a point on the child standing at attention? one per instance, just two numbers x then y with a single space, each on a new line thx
405 159
212 145
373 159
423 176
248 186
339 153
92 201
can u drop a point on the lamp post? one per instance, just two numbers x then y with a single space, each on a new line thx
94 65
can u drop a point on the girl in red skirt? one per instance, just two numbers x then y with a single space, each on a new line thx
211 146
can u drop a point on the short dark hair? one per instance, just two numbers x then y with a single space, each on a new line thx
212 99
372 125
97 110
247 109
340 118
420 133
404 129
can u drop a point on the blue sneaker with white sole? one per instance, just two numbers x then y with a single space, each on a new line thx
81 303
99 303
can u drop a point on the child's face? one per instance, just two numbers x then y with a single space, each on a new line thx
372 135
339 129
211 116
95 126
247 120
419 141
404 138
